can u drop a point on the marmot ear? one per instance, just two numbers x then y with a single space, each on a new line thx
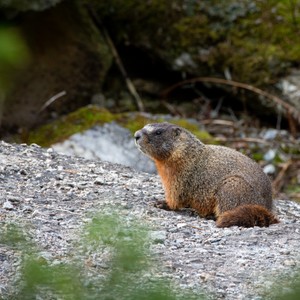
177 131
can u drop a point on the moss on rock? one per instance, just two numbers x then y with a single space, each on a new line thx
77 121
89 116
254 40
203 135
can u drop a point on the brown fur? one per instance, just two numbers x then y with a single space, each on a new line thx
167 184
213 180
248 215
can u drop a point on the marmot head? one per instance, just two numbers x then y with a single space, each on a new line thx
159 140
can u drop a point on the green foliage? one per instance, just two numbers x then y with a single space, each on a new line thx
60 280
287 290
293 295
257 156
134 121
12 49
202 135
37 273
14 55
127 276
12 236
127 244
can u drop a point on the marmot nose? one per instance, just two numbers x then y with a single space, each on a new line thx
137 135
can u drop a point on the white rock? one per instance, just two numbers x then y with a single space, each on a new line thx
270 155
8 205
269 169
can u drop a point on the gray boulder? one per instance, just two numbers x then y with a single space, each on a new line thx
109 142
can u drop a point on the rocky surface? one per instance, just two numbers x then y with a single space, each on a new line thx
52 196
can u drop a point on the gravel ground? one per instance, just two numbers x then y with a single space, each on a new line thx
52 196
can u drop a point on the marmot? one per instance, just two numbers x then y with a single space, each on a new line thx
216 181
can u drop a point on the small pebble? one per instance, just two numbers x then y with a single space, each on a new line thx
8 205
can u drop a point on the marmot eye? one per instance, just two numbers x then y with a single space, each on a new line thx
158 132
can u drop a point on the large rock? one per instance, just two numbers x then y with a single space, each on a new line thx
109 142
68 58
53 196
248 41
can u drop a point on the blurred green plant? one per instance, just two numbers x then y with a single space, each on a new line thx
128 275
287 290
14 55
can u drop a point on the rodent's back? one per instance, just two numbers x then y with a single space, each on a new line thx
217 163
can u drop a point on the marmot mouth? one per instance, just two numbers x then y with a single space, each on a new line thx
141 148
138 145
